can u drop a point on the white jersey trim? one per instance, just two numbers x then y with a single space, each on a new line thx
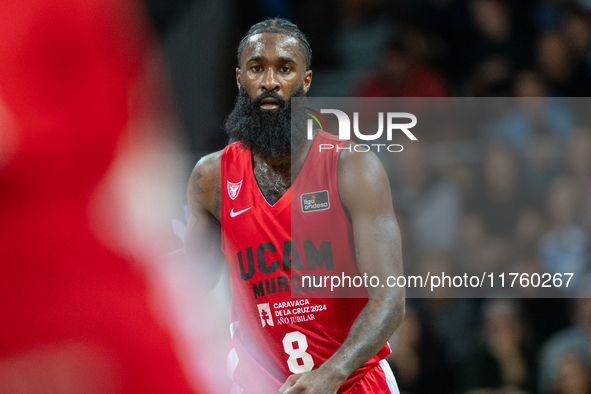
233 328
231 363
236 389
390 379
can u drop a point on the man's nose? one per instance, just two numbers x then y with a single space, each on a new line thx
270 82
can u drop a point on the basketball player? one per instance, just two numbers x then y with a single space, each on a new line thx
77 316
251 191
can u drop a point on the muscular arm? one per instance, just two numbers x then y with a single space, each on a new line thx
365 191
203 234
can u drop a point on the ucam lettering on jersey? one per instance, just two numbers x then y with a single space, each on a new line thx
392 124
273 261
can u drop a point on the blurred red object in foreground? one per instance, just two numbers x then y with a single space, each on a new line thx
75 315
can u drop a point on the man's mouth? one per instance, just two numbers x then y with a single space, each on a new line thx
269 104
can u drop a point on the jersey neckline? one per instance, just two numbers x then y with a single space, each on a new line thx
287 195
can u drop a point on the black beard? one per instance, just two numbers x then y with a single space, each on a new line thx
266 133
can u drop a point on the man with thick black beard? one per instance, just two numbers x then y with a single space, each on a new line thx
265 132
274 203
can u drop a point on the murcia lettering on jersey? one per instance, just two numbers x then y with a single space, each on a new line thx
234 189
315 201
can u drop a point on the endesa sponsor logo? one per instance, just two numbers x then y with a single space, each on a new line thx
394 122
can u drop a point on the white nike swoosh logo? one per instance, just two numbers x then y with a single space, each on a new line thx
234 214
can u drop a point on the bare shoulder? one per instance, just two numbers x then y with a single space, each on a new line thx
210 165
204 189
360 168
361 177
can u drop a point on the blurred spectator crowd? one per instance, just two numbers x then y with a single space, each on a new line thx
433 48
475 199
378 48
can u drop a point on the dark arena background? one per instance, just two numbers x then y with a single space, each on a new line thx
106 106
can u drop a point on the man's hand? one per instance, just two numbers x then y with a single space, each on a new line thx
317 381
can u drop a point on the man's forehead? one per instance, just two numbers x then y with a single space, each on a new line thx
271 45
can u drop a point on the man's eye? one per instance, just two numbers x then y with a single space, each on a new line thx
285 69
256 68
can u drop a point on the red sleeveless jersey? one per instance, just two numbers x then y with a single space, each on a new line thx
276 333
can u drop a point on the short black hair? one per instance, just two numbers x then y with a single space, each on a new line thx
279 26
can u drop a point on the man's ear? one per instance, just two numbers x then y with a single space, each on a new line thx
238 77
307 80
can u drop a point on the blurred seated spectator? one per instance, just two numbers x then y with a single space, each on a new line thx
433 204
565 246
528 229
573 375
578 166
577 31
559 66
476 252
417 359
528 120
576 338
505 361
453 321
529 83
542 159
538 128
402 74
498 49
450 20
500 200
362 29
471 239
